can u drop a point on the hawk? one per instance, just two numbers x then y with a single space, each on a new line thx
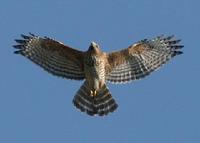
96 67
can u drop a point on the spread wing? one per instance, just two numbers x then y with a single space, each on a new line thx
52 56
140 59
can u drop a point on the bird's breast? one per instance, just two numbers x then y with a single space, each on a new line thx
94 70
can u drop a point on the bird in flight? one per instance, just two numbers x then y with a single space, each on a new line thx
96 67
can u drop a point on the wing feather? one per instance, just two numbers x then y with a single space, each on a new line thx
55 57
140 59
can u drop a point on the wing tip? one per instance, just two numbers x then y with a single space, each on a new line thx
176 53
21 43
18 52
17 46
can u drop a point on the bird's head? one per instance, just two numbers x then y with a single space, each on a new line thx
94 47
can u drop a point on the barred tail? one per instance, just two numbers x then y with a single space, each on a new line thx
101 104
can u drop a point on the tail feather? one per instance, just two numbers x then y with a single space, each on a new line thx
101 104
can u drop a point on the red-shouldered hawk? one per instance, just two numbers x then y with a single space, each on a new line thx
97 67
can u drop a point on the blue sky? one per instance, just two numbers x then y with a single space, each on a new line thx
162 108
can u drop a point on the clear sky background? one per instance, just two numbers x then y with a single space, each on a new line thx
36 107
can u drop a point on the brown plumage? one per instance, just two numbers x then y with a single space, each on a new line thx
97 67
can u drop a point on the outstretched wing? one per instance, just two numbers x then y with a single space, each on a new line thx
140 59
52 56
